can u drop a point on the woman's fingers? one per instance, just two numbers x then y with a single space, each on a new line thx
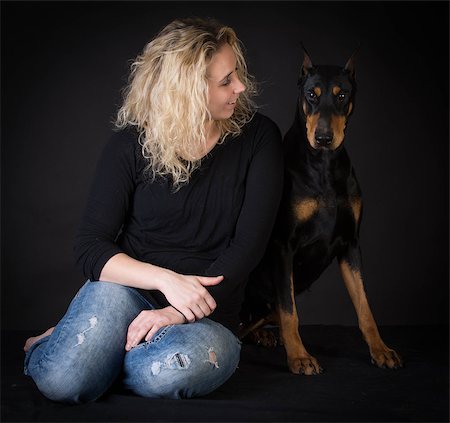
136 331
210 280
188 314
148 322
200 306
211 303
198 311
206 309
188 294
152 332
206 302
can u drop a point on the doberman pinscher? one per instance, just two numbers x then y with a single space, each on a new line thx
318 220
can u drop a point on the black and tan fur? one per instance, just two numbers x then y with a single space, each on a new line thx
318 220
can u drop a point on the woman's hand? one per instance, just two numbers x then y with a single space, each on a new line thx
148 322
186 293
189 295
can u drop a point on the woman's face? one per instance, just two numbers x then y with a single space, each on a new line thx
223 83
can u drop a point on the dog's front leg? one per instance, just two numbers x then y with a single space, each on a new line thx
350 267
299 360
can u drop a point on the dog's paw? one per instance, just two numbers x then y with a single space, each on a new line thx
263 337
304 366
385 357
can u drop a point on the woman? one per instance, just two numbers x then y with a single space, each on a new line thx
179 213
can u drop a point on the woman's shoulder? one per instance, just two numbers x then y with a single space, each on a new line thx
261 120
262 130
122 148
124 139
261 124
123 143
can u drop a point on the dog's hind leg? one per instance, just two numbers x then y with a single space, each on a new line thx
299 360
255 333
350 267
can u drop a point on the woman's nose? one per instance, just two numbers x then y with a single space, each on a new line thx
239 86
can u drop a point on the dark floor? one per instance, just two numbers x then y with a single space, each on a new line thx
350 389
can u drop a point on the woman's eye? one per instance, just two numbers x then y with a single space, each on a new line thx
227 82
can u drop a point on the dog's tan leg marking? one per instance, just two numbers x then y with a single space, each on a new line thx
381 355
299 360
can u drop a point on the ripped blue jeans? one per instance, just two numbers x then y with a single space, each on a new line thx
86 353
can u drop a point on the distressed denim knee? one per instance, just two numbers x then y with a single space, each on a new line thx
84 354
59 384
182 361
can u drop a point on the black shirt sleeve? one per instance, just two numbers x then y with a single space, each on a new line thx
262 196
107 205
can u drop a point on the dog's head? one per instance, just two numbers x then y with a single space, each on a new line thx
326 101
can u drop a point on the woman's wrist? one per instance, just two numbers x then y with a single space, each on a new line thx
159 277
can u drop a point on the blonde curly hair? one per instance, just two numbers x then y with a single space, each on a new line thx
167 95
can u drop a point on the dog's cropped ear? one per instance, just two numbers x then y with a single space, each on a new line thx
307 63
350 65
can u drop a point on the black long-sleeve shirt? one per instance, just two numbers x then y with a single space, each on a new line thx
217 224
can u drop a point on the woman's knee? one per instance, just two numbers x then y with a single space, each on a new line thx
71 386
96 320
223 348
184 376
113 294
88 341
76 372
204 360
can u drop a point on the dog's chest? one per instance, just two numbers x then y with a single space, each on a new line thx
326 217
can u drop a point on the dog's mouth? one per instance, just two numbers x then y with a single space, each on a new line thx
323 140
321 145
327 135
320 140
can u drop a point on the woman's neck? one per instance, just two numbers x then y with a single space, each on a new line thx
213 134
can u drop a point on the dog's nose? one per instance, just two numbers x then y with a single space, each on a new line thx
324 140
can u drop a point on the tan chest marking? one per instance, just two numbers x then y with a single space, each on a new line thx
306 208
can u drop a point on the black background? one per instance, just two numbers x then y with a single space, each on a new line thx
64 64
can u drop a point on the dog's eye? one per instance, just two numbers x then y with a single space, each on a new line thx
341 96
311 95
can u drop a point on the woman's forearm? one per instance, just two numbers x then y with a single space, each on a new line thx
186 293
125 270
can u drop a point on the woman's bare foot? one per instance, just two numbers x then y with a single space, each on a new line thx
33 339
